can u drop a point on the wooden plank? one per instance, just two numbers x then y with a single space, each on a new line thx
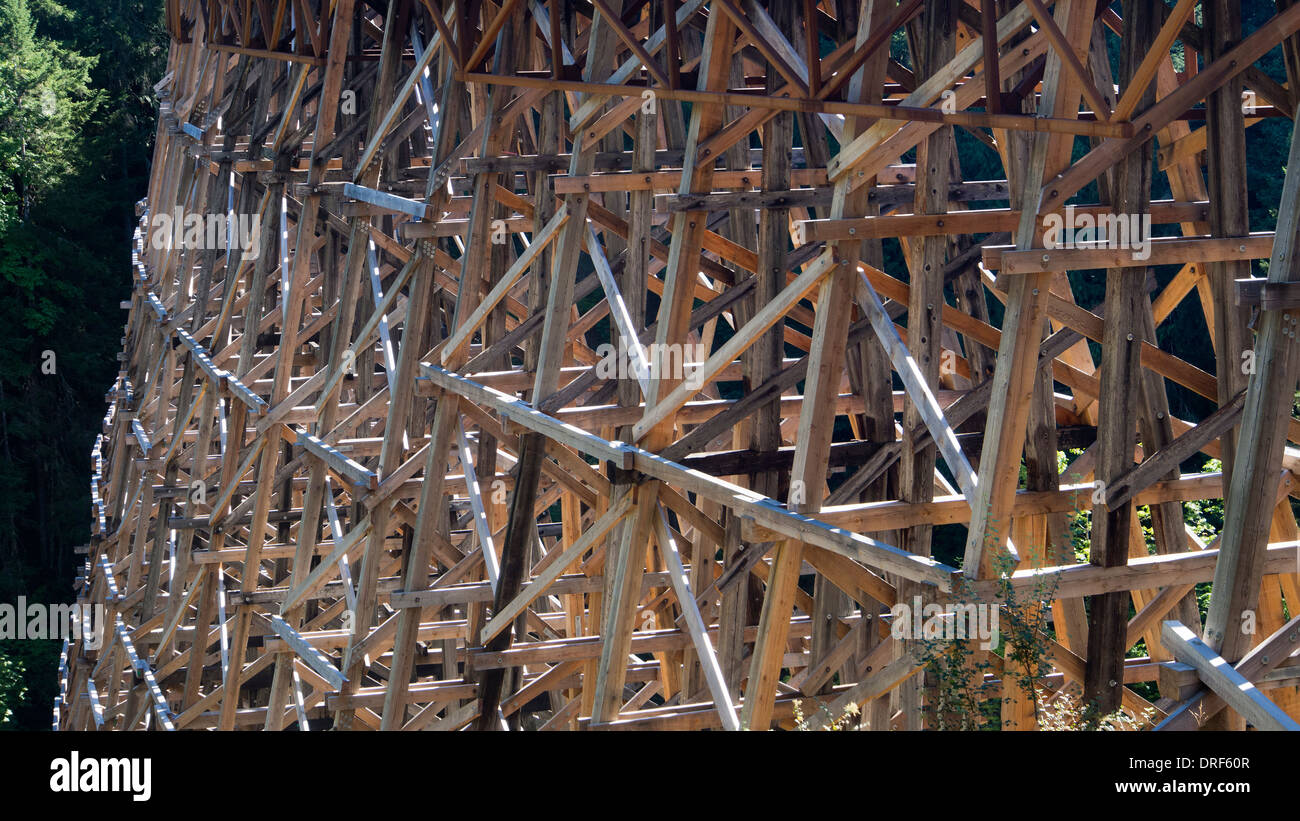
955 223
1227 683
1252 490
1130 254
1168 458
920 393
357 474
538 585
541 239
1256 665
695 624
1269 296
309 654
526 416
742 340
1147 572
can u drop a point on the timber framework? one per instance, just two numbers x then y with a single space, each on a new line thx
620 365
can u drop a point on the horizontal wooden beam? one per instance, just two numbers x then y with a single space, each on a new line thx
1269 296
1141 573
967 222
1134 253
898 113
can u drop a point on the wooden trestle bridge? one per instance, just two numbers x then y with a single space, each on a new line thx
366 464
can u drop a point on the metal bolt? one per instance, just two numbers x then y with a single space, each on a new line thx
1130 337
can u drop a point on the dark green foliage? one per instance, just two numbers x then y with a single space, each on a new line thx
76 128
